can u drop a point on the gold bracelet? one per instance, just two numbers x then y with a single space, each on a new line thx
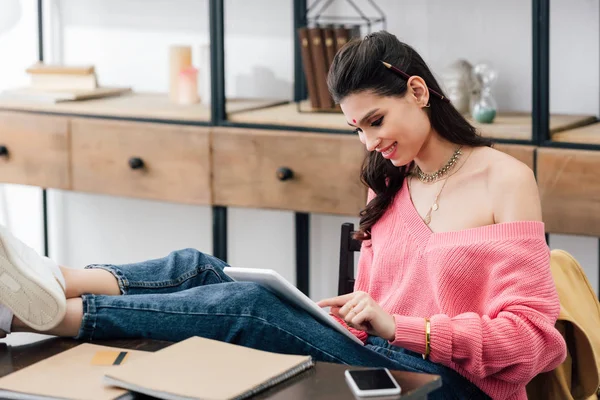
427 339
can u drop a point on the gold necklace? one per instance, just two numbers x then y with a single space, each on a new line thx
435 206
433 177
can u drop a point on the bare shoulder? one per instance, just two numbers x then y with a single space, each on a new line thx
511 186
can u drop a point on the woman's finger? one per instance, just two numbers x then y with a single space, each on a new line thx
357 307
336 301
363 319
349 306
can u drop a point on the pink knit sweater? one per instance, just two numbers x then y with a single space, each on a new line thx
488 292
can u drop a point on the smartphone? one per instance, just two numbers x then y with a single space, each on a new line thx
372 382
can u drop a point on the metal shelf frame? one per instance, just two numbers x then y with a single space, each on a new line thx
540 113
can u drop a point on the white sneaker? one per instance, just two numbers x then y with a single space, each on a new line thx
29 284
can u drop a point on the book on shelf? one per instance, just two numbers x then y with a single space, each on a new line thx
62 78
342 36
330 48
29 94
58 83
199 368
307 63
320 67
51 69
318 48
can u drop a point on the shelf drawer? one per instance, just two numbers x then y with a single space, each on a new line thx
298 171
152 161
569 183
34 150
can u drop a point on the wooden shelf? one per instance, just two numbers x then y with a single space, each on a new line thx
518 125
288 115
588 134
506 126
155 106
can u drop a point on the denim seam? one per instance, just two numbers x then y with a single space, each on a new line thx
229 315
125 284
388 352
89 319
174 282
122 280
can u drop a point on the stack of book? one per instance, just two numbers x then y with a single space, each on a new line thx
196 368
319 45
57 83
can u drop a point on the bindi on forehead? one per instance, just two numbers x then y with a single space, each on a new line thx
353 120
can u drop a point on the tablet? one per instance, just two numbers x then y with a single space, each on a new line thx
279 286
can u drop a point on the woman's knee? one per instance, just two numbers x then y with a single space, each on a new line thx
195 258
190 263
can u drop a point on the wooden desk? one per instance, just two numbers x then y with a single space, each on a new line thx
324 381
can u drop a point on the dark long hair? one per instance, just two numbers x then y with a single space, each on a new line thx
357 68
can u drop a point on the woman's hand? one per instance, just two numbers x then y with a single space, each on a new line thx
361 312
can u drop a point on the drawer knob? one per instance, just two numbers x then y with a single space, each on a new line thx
136 163
3 151
284 173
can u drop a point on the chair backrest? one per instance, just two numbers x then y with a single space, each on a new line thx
348 246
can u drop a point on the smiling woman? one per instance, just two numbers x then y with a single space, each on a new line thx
454 263
394 111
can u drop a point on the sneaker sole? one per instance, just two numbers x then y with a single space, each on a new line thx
31 299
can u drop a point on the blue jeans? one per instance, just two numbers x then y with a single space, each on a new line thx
187 294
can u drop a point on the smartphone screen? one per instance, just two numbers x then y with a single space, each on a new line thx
372 379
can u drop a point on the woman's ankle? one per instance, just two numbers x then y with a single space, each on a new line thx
71 282
90 281
68 327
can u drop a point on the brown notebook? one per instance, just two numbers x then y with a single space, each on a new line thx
329 39
75 374
199 368
307 63
320 66
342 35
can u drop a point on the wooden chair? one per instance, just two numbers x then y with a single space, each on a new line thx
348 246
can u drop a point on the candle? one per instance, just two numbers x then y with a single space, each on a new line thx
180 57
188 86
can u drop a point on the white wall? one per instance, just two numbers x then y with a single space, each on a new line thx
20 206
127 40
500 32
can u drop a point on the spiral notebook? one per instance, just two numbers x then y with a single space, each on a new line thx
199 368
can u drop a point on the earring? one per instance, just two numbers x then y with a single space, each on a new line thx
427 105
